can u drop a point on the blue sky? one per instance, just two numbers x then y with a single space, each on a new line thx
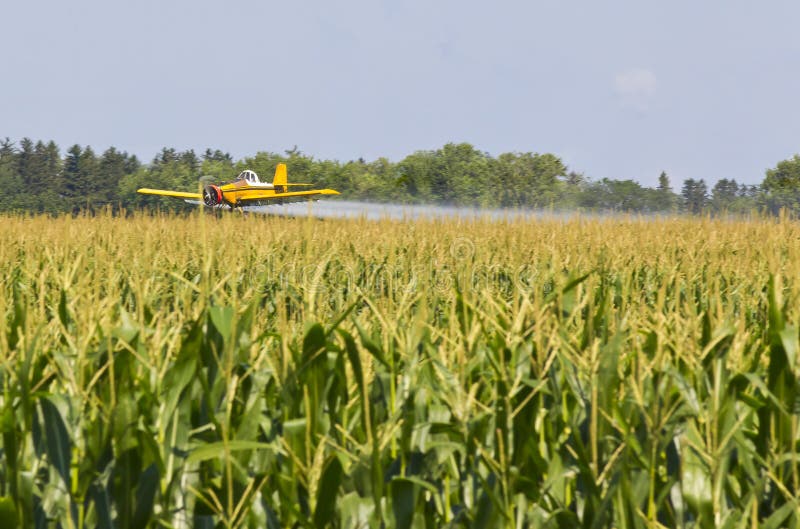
618 89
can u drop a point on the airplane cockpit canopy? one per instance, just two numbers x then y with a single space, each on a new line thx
249 176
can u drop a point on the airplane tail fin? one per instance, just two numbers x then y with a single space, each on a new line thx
281 179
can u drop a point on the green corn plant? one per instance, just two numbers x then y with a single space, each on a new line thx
176 372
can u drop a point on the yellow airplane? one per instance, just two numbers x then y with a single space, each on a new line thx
247 190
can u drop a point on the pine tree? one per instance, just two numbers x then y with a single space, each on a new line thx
71 176
695 195
663 183
7 149
46 177
81 187
190 160
52 160
37 165
10 180
25 160
666 197
112 169
725 190
87 168
217 156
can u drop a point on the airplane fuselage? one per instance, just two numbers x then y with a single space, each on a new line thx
237 193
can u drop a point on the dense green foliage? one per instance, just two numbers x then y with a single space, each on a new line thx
357 374
34 177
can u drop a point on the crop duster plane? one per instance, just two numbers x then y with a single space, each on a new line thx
247 190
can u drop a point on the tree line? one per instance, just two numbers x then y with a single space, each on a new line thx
37 177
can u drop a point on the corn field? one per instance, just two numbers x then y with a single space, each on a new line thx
202 372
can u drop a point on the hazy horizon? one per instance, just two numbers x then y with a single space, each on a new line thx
620 90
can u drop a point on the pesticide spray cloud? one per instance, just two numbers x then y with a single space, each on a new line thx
347 209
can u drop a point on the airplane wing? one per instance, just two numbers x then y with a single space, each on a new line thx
163 193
